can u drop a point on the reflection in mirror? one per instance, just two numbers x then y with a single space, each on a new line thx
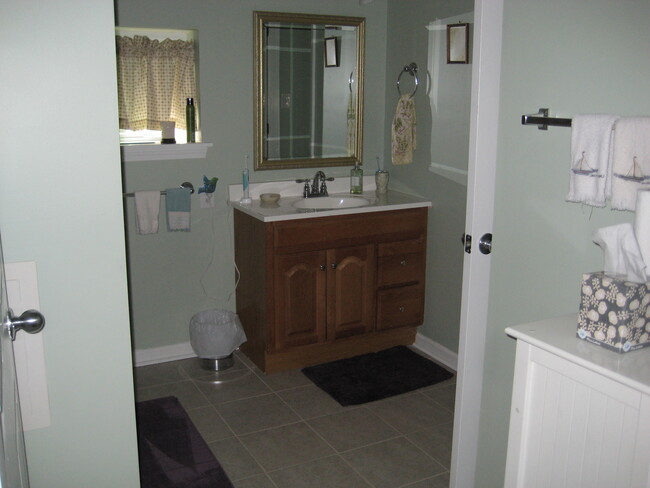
308 90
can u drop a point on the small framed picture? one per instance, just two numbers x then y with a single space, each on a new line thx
457 43
332 52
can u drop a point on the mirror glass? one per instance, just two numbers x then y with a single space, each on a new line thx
308 90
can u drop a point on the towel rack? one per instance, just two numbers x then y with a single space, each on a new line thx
411 69
185 184
542 120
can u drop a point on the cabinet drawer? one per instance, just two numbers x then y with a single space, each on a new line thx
398 307
401 262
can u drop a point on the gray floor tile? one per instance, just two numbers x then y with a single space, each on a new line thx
186 392
410 413
352 429
440 481
159 374
310 401
445 396
235 385
209 423
436 442
259 481
392 463
257 413
286 446
284 380
234 459
330 472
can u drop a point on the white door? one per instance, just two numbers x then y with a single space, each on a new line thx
13 463
486 70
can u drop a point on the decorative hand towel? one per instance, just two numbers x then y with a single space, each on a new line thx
631 161
403 131
352 126
591 150
147 210
178 205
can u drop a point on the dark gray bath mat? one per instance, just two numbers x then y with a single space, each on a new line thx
172 452
374 376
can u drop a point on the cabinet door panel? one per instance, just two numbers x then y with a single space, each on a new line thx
300 312
351 291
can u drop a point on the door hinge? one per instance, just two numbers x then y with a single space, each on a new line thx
466 239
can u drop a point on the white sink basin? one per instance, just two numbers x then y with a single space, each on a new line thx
331 202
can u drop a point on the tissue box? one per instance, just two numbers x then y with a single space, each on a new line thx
614 313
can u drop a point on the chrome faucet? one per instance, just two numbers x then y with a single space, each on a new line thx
318 187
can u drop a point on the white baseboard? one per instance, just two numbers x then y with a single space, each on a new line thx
437 351
144 357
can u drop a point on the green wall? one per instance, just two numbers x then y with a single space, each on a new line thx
61 207
174 275
573 57
417 34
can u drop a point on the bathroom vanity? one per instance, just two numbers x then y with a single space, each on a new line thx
329 284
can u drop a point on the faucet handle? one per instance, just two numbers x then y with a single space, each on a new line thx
306 191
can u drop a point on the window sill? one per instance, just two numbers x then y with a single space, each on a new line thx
156 152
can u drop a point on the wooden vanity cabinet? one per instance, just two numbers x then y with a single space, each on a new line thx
324 288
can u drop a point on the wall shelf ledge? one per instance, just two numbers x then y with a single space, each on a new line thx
157 152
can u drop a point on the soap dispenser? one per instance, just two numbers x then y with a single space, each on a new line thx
356 179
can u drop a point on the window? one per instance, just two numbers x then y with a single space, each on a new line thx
156 72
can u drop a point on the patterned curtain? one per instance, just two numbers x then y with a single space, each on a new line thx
154 79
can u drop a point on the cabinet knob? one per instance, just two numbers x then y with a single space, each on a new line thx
403 262
323 267
402 309
334 265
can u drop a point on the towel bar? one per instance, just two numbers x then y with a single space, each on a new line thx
542 120
185 184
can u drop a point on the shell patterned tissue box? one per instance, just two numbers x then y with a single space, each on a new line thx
614 313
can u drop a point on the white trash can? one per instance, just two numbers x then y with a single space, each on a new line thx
214 335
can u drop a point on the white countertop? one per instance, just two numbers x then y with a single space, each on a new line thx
290 192
558 336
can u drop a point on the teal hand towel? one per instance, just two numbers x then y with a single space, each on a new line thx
178 206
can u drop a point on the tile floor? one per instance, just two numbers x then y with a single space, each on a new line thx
281 431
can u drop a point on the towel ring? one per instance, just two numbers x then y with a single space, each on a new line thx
411 69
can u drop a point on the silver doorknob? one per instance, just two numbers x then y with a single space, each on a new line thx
31 321
485 243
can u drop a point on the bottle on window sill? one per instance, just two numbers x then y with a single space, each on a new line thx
190 120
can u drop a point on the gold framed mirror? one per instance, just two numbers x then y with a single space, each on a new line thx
308 90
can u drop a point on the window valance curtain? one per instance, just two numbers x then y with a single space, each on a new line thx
154 79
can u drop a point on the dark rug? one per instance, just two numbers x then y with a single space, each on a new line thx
374 376
172 452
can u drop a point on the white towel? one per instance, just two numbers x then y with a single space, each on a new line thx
591 150
147 209
631 161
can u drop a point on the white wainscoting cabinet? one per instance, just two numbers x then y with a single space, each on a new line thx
580 414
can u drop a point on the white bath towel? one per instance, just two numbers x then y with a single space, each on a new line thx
591 150
631 161
147 210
